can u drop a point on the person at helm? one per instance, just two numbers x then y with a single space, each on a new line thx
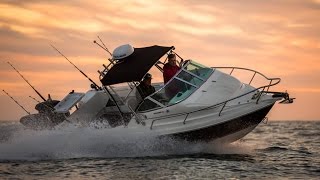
170 68
145 88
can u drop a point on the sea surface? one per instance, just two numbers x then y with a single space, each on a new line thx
276 150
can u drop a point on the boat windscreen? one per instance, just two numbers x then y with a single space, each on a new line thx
180 87
199 70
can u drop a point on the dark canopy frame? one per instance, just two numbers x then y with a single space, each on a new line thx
135 66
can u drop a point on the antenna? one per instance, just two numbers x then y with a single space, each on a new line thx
104 46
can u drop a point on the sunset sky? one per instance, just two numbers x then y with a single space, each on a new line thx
280 38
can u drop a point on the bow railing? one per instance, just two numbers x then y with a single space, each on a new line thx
261 90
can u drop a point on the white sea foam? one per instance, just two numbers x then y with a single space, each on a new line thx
74 142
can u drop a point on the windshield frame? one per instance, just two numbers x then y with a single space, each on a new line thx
175 77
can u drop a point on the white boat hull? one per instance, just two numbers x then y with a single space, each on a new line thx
232 124
227 131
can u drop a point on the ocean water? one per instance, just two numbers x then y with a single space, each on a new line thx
277 150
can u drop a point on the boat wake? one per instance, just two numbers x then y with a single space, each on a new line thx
18 143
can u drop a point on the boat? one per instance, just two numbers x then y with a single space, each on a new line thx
208 104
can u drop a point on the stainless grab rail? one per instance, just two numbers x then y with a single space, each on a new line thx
225 102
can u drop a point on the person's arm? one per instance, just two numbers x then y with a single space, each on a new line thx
181 63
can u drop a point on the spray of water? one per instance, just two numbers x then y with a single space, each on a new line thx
75 142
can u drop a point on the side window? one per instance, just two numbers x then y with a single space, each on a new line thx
182 93
147 104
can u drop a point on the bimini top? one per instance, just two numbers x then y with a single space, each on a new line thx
135 66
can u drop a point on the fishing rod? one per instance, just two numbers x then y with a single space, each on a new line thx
27 81
96 86
106 89
17 102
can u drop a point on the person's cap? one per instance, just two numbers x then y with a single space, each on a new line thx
171 56
148 76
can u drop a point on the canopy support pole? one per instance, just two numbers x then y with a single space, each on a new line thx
132 111
114 100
